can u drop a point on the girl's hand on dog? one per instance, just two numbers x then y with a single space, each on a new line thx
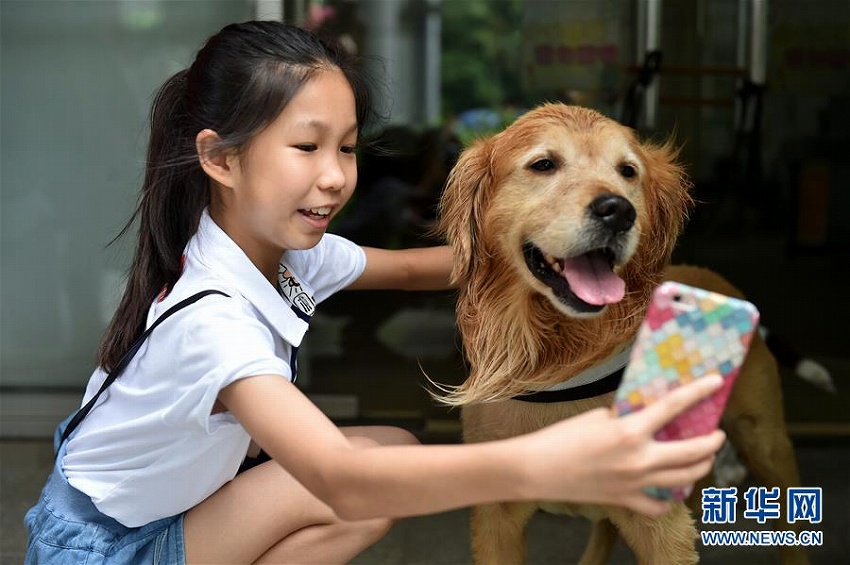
600 458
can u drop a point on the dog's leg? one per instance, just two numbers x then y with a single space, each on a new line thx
498 533
755 424
670 539
600 544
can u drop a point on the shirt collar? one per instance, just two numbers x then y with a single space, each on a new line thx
215 251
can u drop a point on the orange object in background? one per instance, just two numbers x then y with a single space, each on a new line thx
813 212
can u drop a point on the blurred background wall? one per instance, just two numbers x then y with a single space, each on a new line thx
763 143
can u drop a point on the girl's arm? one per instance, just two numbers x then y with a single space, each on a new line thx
594 457
426 268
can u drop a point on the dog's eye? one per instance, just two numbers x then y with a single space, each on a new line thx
628 171
543 165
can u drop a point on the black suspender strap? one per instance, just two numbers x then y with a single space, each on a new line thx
125 360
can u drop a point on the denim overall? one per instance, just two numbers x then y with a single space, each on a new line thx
66 528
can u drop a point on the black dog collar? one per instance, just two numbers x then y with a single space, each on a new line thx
589 390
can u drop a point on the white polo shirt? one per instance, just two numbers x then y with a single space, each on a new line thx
150 448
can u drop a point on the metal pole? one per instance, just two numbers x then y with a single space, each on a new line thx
653 43
742 48
432 78
268 10
758 42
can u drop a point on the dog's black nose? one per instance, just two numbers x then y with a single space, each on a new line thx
614 212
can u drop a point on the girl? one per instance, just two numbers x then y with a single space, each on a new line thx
252 153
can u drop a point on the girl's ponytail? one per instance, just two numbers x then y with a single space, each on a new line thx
174 194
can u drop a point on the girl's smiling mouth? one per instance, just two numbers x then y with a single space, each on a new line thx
318 217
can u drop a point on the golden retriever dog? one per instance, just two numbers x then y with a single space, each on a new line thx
562 225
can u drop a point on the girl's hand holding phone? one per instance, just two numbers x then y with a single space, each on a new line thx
597 457
688 333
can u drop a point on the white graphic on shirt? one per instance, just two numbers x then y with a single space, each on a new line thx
292 290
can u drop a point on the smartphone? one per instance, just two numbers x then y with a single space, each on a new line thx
687 333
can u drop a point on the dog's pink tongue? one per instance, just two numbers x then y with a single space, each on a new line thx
591 279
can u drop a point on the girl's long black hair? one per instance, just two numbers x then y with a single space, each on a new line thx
240 81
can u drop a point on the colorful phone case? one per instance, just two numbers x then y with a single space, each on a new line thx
687 333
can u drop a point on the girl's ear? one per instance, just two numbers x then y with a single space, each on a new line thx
217 164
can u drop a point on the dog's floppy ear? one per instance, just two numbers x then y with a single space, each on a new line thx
669 190
461 206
